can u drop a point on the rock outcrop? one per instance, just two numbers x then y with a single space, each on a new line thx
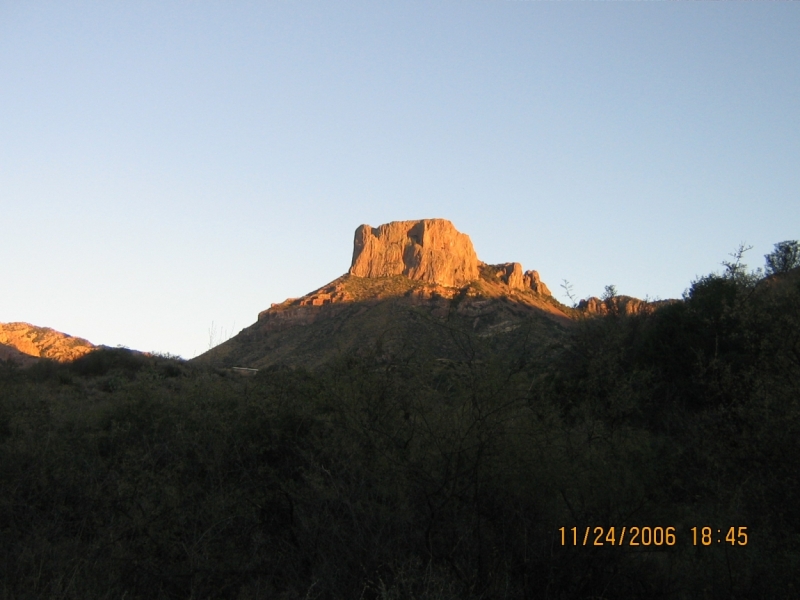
511 274
43 342
429 250
533 282
620 305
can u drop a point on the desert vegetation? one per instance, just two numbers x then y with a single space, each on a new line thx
402 476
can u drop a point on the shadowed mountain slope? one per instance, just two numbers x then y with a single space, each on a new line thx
393 315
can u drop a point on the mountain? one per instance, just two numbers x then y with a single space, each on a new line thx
412 287
25 343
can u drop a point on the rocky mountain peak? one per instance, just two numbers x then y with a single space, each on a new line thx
40 342
428 250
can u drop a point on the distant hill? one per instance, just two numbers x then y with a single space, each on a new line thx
413 287
25 343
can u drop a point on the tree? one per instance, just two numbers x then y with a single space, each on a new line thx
784 258
736 270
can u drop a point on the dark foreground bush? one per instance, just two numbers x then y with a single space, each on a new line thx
142 477
101 361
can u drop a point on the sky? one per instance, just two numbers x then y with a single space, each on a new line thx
170 169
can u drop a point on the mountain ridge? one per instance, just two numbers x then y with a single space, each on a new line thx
26 343
409 286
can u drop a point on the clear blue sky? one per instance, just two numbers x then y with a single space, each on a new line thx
166 165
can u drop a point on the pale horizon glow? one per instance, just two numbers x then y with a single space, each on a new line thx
167 166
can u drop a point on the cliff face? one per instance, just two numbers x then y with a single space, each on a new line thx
43 342
429 250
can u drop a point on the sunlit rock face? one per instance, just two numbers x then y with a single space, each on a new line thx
511 274
43 342
430 250
532 281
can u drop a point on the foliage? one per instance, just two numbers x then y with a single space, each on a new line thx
784 258
400 476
